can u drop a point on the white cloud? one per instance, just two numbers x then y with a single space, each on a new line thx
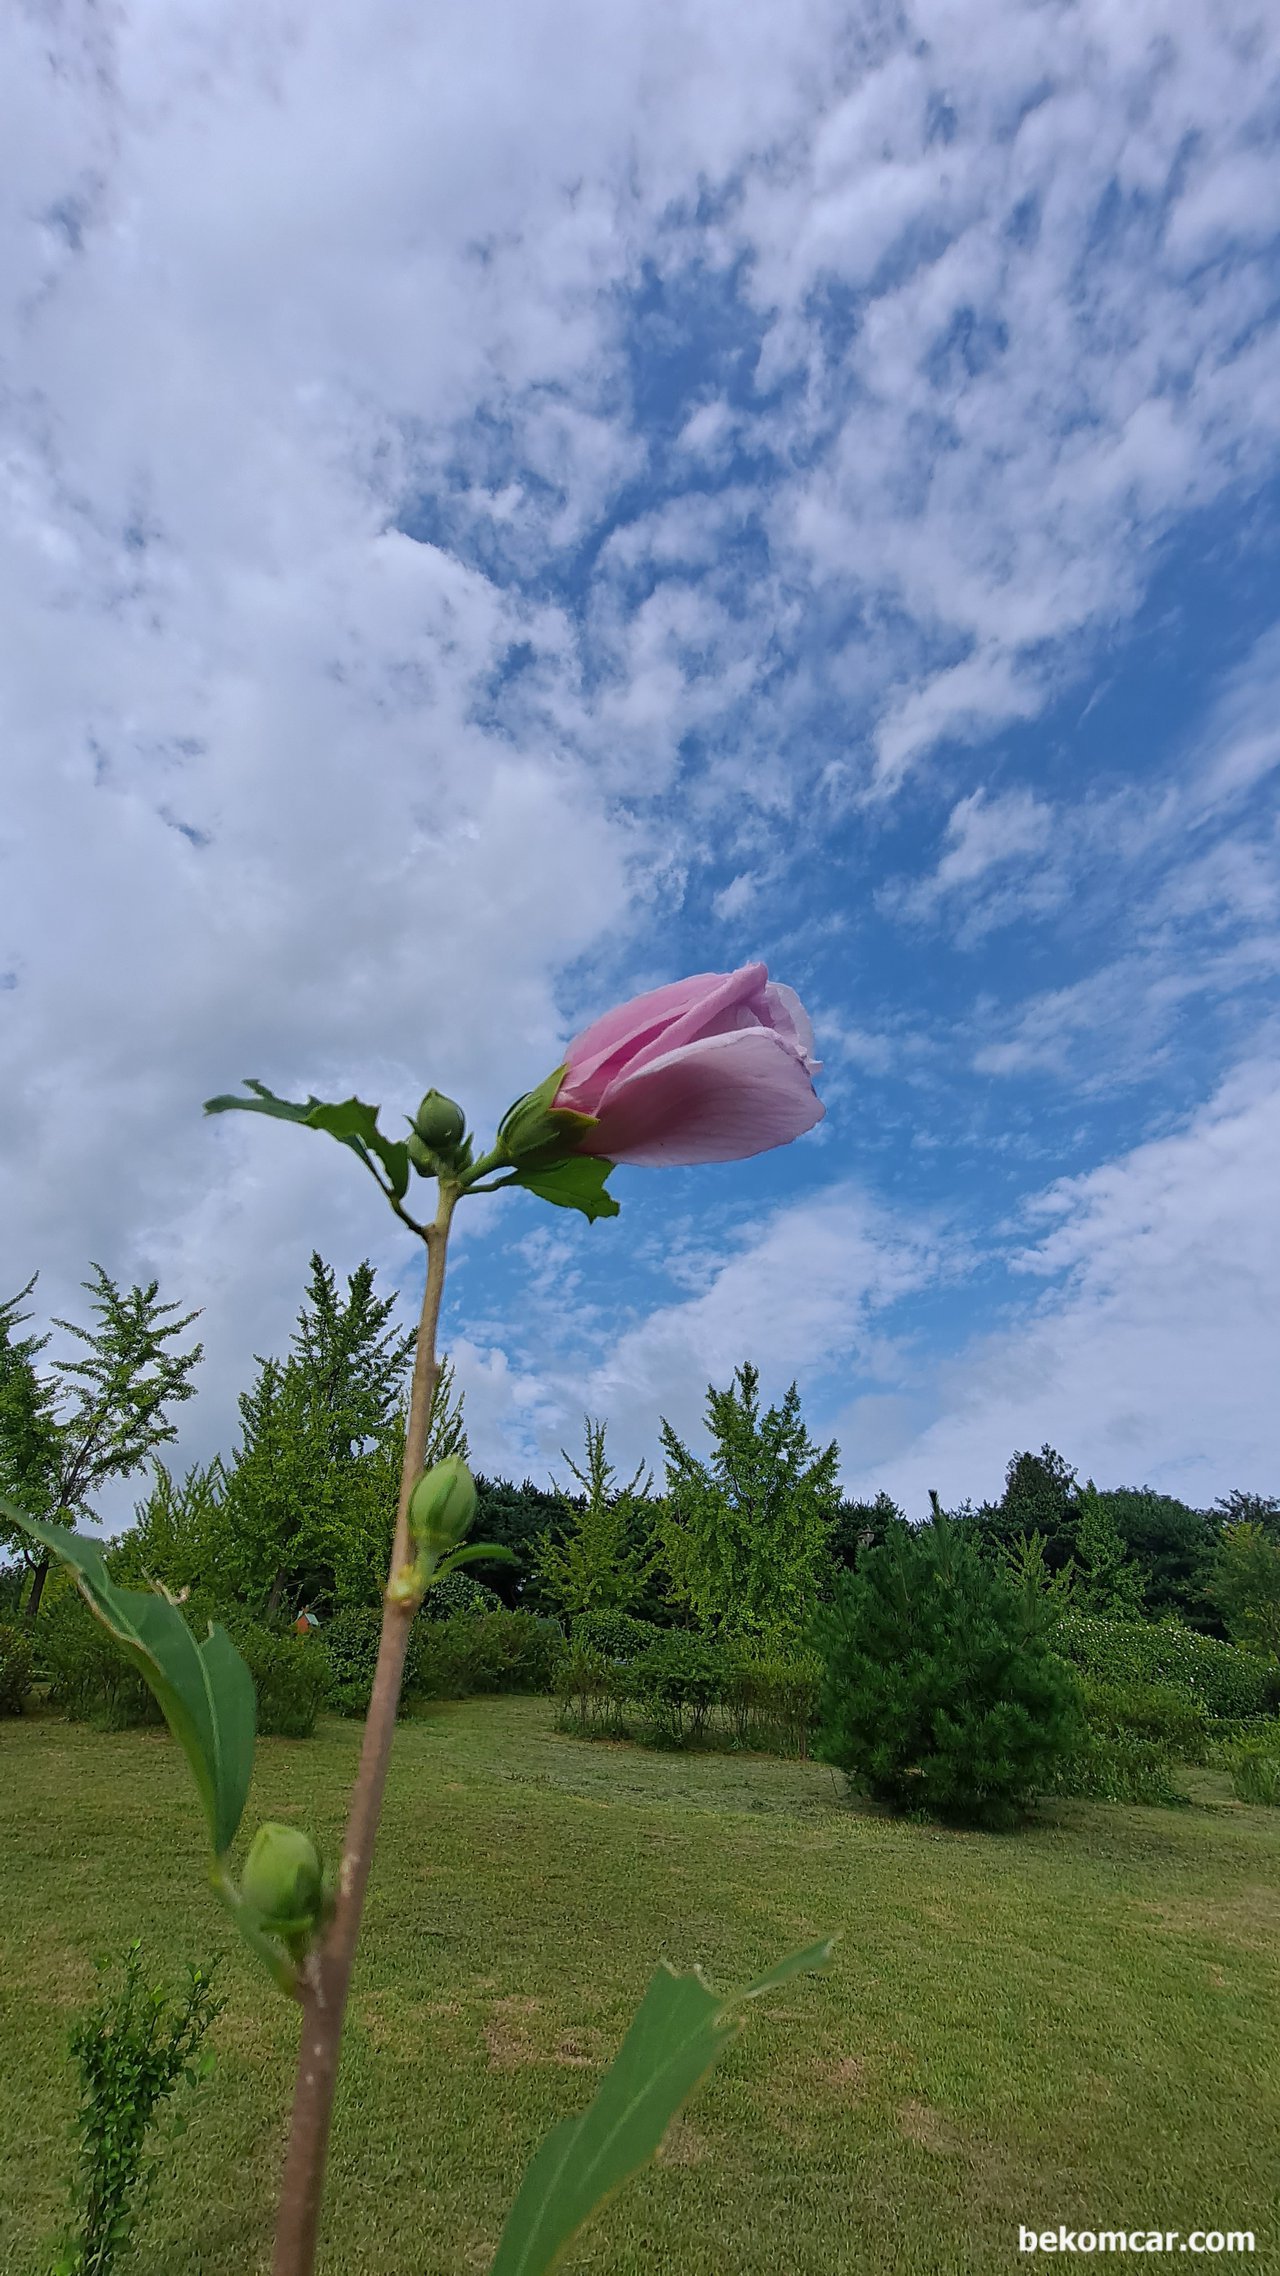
1153 1357
290 793
985 832
800 1295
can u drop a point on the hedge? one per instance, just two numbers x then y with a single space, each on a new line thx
1223 1679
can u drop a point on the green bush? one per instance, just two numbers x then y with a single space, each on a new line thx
1222 1678
290 1676
617 1635
1119 1766
1254 1765
89 1677
350 1645
1228 1732
1157 1712
458 1593
773 1704
16 1668
496 1652
679 1680
593 1691
939 1691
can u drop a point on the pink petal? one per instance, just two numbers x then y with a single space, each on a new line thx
785 1013
651 1025
720 1099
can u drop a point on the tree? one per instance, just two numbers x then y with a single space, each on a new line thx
1174 1546
1027 1567
1039 1497
1107 1582
174 1535
597 1565
746 1533
1246 1587
859 1526
518 1518
940 1691
317 1453
114 1406
1240 1508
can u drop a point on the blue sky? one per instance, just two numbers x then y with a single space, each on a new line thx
496 522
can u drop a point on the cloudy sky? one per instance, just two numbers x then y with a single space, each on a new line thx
507 505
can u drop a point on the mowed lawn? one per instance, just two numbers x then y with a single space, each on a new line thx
1078 2023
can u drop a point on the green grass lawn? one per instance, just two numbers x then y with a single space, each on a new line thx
1077 2023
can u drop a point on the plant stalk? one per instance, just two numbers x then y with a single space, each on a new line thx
325 1976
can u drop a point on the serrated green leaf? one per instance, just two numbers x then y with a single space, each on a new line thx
204 1689
680 2029
578 1183
351 1121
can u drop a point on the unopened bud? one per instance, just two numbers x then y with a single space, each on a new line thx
442 1506
282 1879
440 1123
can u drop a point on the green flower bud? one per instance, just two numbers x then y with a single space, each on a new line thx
535 1133
440 1123
282 1879
442 1506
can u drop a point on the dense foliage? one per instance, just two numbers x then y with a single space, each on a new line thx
1221 1678
940 1691
16 1668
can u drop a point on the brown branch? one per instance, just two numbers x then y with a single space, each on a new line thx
326 1974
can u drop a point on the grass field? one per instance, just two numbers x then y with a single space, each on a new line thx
1077 2023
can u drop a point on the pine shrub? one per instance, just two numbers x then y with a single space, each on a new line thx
939 1691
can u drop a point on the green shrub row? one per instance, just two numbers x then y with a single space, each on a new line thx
1254 1765
1120 1766
1222 1678
450 1658
1157 1713
17 1667
615 1635
683 1688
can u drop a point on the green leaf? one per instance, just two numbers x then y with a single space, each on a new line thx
205 1691
680 2030
578 1183
493 1550
350 1121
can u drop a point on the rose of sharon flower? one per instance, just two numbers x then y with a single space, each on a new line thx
710 1069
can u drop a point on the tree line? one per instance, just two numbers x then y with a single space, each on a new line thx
745 1539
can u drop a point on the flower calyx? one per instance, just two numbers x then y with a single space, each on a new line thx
534 1134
